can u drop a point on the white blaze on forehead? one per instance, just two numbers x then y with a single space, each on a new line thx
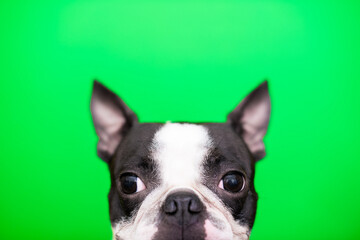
180 149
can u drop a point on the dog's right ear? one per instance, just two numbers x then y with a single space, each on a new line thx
112 120
250 119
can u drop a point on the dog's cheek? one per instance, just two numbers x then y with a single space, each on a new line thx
213 233
146 231
226 233
127 231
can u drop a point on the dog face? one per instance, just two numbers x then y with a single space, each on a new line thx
181 180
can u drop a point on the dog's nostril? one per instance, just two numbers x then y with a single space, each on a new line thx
170 206
195 206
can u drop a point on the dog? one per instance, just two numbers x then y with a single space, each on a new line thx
181 181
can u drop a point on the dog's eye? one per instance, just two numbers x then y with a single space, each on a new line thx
130 183
232 182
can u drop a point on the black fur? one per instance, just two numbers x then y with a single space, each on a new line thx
231 154
132 155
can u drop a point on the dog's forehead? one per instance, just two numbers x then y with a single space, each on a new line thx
135 148
231 149
180 150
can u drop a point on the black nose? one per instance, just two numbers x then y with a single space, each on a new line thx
182 208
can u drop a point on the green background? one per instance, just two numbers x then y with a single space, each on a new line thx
179 61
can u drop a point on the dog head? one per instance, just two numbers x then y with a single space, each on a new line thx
181 180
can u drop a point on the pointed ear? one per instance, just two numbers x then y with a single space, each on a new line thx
250 119
112 120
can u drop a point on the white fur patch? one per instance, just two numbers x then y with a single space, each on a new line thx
180 150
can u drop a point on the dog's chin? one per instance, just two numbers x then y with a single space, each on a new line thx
176 232
207 230
200 231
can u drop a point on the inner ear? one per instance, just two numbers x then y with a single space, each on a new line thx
250 119
112 119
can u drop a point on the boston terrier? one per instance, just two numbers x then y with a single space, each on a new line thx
181 181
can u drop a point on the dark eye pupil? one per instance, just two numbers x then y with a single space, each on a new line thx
128 184
233 182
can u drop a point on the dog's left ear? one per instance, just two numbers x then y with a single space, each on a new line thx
112 120
250 119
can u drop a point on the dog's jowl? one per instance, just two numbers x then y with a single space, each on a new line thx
181 180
